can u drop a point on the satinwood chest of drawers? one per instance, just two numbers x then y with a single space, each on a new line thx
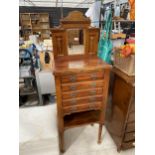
81 80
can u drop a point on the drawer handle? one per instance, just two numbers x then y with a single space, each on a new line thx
73 87
133 143
93 84
72 78
91 105
73 95
73 109
73 102
94 76
92 92
92 99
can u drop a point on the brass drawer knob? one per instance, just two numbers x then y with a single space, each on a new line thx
94 76
93 84
73 95
73 102
73 87
91 105
73 109
92 99
72 78
92 92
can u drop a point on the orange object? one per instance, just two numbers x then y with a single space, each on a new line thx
132 10
127 50
132 48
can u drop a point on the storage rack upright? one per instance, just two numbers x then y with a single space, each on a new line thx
27 78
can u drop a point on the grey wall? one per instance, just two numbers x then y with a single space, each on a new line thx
54 12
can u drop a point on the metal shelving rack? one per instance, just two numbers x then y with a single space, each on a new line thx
27 78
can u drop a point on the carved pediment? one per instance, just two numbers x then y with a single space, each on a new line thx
75 37
75 16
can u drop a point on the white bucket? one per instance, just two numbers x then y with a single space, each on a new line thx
34 39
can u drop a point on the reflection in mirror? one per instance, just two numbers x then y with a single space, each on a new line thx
75 41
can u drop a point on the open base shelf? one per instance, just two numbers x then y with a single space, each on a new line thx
81 118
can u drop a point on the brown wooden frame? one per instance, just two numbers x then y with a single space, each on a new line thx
92 64
59 36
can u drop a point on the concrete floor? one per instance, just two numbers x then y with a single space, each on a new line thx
38 135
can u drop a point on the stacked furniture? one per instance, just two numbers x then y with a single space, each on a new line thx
35 23
81 80
120 114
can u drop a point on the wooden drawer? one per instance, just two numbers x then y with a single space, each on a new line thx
83 107
129 136
82 93
82 100
127 145
82 77
132 108
131 117
82 85
130 127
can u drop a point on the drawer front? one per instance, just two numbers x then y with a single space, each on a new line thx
129 136
131 117
82 100
130 127
132 108
127 145
82 93
83 107
82 85
82 77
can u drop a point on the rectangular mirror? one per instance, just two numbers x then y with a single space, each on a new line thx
75 41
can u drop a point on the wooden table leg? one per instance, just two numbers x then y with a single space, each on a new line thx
61 141
100 133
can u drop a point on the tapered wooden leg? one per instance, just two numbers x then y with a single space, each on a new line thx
119 149
100 133
61 141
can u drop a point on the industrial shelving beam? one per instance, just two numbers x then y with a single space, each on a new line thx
56 3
